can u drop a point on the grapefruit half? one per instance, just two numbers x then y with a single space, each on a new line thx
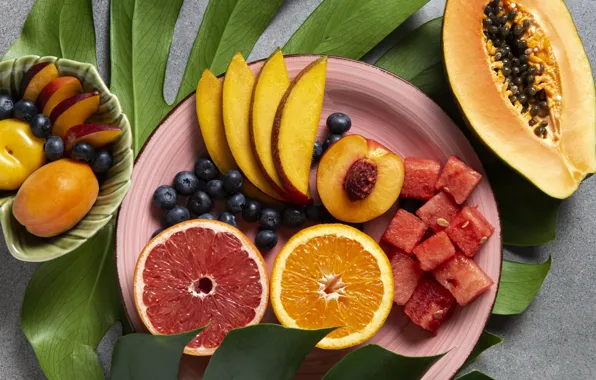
198 273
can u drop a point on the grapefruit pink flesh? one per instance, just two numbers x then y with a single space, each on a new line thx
200 277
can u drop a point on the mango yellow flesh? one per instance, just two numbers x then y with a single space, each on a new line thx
272 83
237 95
296 125
21 153
556 167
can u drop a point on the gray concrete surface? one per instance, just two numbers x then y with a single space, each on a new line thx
554 339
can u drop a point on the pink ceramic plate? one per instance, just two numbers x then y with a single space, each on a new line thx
383 107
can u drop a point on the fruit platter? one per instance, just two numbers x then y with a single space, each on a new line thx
341 196
66 163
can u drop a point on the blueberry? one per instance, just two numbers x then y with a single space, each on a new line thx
199 203
83 152
103 162
156 232
186 183
205 169
339 123
176 215
232 181
235 203
251 211
330 141
208 216
41 126
269 219
266 240
25 110
317 152
6 106
165 197
316 213
215 189
293 217
54 148
226 217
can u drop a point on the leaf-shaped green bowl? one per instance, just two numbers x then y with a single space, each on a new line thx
27 247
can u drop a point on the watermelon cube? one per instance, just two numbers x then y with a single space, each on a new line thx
404 231
420 178
458 179
463 278
406 275
438 211
469 230
429 305
434 251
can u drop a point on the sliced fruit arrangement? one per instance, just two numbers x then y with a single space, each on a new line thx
522 78
359 179
261 136
332 275
58 135
200 273
433 240
295 129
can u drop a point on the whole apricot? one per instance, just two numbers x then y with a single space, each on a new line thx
56 197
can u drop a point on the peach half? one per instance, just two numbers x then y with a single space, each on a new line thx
98 135
73 111
359 179
37 78
56 91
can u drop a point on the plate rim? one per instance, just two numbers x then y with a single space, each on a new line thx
351 61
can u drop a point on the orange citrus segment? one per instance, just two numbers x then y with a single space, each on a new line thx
332 275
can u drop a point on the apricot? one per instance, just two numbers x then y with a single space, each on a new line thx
56 197
21 153
359 179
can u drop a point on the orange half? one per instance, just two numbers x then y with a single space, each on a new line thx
332 275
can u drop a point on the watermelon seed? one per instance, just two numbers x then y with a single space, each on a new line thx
442 222
465 224
438 314
483 240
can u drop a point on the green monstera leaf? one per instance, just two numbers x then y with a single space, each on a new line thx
69 305
237 357
373 362
145 356
519 285
59 28
350 28
141 36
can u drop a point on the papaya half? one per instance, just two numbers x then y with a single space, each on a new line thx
523 81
